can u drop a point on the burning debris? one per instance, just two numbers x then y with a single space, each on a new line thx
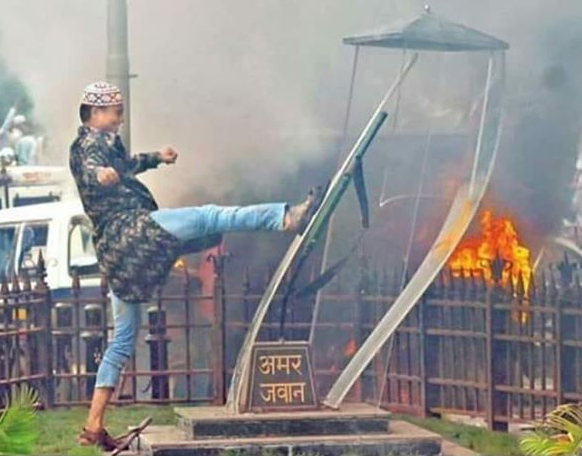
497 241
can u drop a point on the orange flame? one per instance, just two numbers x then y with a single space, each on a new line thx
499 240
351 347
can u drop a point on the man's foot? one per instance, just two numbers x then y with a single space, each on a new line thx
297 217
100 438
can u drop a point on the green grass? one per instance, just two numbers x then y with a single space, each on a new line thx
480 440
59 428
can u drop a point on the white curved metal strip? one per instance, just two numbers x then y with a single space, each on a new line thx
238 382
568 244
461 214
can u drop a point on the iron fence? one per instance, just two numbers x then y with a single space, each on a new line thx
502 353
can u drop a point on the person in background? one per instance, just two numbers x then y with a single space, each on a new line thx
25 144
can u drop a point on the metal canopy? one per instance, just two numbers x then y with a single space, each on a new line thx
428 32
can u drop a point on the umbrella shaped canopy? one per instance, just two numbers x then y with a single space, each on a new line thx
428 32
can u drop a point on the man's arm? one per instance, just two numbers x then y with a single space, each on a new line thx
142 162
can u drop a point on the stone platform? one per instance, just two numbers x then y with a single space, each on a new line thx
355 429
202 423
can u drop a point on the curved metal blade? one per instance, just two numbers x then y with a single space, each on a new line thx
304 241
460 216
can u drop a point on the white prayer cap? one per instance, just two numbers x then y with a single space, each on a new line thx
102 94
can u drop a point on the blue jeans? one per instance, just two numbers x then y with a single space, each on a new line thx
185 223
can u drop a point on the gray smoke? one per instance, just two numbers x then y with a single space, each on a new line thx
546 124
243 89
250 91
543 119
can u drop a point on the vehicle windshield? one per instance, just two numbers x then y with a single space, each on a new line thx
7 249
82 256
32 245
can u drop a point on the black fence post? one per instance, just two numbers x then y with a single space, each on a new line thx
362 292
496 351
15 304
93 339
219 337
188 317
5 340
32 341
566 378
428 393
158 341
45 349
63 339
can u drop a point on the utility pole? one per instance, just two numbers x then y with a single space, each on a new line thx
118 59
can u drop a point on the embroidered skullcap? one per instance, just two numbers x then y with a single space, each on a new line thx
102 94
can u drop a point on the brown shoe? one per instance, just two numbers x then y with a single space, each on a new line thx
297 217
100 438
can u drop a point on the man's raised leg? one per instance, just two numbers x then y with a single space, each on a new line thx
188 223
192 222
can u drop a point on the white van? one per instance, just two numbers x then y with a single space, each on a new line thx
25 185
61 231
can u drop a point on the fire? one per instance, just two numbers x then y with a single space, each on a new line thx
498 239
350 348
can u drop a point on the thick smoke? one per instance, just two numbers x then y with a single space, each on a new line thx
244 90
543 103
251 91
545 124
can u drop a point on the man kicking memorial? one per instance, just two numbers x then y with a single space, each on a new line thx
137 243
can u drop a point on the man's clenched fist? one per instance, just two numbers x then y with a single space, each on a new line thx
107 176
168 154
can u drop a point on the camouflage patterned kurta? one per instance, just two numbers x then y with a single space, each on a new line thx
135 254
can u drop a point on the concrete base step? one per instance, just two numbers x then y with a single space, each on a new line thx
215 422
404 440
